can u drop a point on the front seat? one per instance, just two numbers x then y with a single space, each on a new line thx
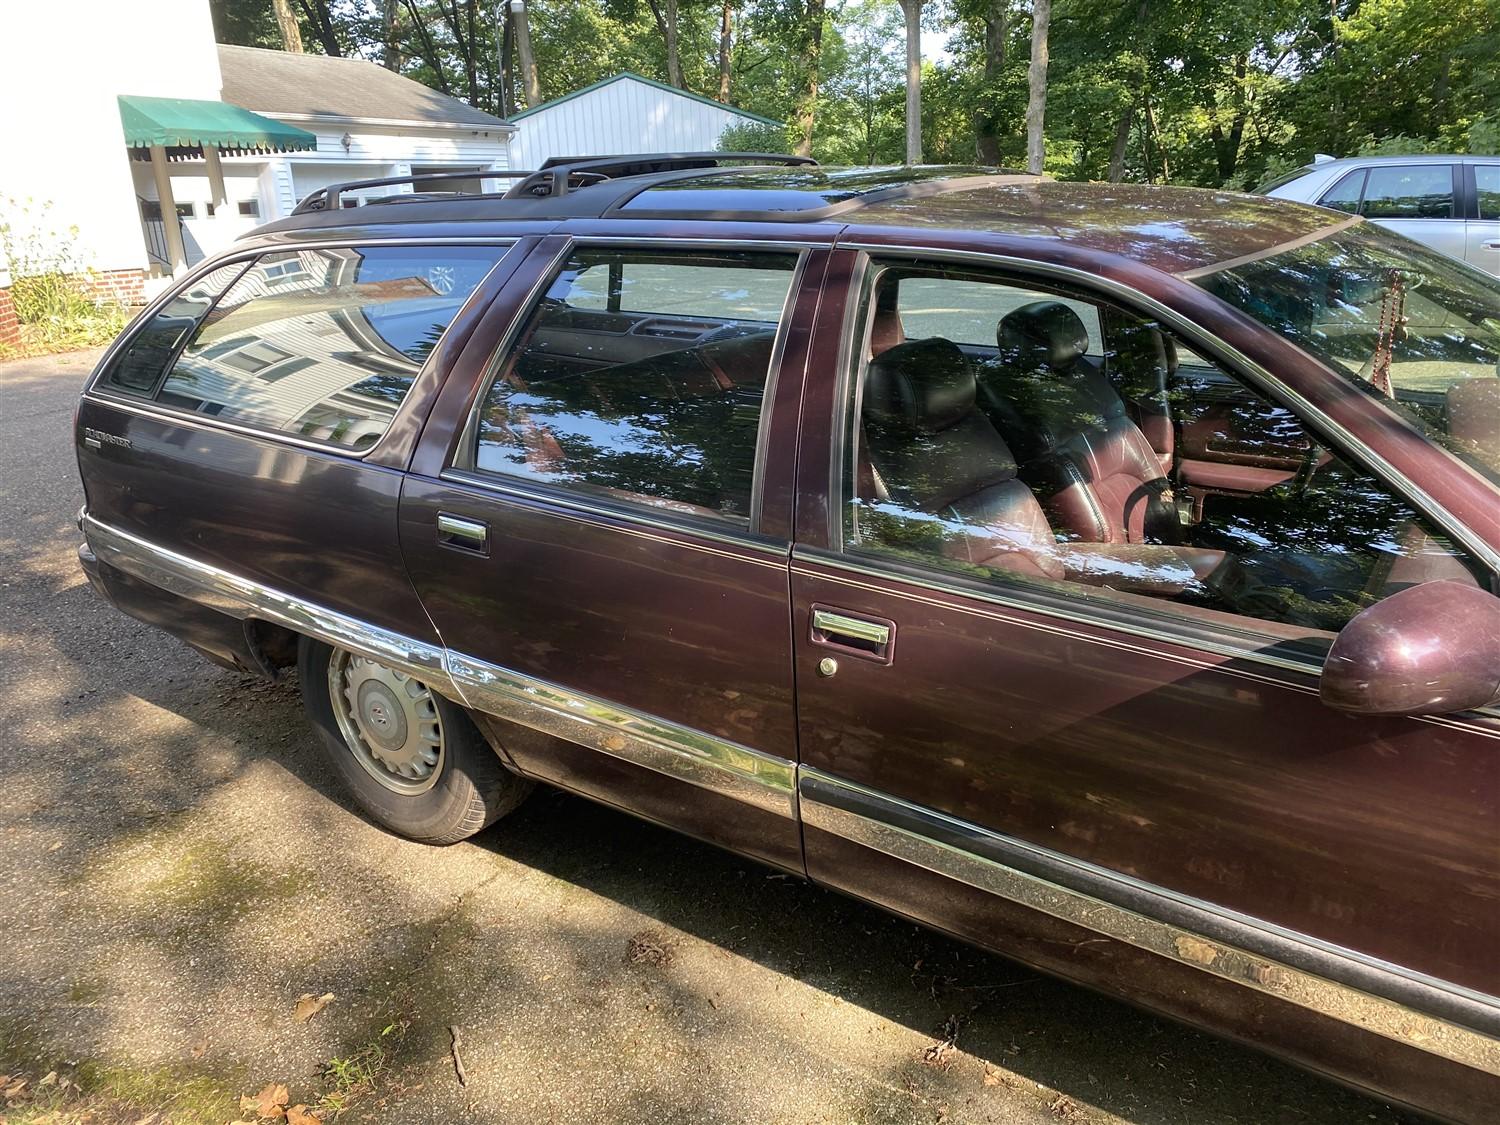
1103 480
935 475
939 462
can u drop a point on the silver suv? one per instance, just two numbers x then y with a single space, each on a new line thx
1450 203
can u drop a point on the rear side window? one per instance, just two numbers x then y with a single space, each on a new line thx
1344 195
1417 191
321 344
140 367
969 312
1487 185
640 376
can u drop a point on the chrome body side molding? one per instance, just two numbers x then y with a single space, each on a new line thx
241 597
756 778
1338 983
762 780
1381 998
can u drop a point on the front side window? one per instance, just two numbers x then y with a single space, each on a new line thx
640 376
1112 467
1416 191
1345 195
322 344
1399 321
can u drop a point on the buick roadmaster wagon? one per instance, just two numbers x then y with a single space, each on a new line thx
1103 574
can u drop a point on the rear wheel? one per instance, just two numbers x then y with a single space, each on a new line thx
412 759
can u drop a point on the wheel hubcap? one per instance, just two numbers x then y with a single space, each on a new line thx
389 722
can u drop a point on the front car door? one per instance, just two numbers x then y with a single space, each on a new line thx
1092 738
596 530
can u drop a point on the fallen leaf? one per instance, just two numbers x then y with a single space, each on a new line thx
300 1115
197 1049
309 1005
991 1077
270 1102
15 1088
149 1119
50 1080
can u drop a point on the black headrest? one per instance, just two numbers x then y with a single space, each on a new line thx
1043 333
925 385
1145 359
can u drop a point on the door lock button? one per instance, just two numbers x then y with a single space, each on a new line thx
827 666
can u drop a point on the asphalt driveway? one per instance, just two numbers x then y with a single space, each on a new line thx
179 868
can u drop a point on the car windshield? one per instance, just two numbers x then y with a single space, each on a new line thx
1399 320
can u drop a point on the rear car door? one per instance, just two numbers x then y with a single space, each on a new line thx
595 524
1104 753
1421 201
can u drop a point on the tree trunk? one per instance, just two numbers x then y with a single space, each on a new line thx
725 44
912 10
321 18
1122 141
507 69
427 49
291 34
665 12
986 140
805 117
391 56
1036 103
530 83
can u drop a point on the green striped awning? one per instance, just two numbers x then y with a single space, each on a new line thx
184 126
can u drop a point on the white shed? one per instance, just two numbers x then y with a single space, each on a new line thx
623 114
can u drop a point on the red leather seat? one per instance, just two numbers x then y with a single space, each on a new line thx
1103 480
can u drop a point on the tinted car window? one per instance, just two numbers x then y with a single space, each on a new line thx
640 376
145 359
1487 184
324 344
1344 195
967 312
1418 191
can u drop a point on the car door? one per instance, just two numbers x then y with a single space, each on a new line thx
1420 201
1141 792
1483 227
597 530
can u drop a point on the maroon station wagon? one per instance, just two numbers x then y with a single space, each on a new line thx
1102 574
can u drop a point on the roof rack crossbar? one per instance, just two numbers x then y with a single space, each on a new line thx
327 199
560 173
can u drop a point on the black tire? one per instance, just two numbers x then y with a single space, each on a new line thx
473 788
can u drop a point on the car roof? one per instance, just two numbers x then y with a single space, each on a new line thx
1173 229
1414 158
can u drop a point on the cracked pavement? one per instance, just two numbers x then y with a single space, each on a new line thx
180 866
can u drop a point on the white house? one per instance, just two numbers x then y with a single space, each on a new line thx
623 114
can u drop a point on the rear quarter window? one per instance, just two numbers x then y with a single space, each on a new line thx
321 344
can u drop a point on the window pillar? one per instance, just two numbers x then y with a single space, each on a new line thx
218 197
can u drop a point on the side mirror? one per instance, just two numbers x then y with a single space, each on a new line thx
1427 650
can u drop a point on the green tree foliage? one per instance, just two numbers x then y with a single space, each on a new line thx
1187 91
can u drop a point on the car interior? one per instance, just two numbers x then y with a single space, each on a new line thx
645 406
1109 462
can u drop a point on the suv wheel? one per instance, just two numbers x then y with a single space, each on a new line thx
413 760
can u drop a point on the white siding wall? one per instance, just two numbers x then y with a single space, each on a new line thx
624 116
61 66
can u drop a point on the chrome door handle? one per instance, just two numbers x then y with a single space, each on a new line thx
871 638
463 534
1491 244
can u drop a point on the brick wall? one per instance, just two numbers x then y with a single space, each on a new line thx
10 328
125 286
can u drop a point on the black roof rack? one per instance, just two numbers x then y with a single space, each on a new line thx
556 176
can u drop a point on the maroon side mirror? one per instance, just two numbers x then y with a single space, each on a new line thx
1427 650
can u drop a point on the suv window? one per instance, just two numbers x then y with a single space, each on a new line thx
1487 185
145 359
323 344
1122 476
967 312
1345 195
640 376
1416 191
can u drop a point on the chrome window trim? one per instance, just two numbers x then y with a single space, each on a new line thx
1350 446
1373 995
461 462
241 597
151 408
762 780
644 520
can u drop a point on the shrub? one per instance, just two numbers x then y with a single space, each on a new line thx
754 136
52 287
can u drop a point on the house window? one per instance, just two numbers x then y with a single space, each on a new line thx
249 208
186 211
